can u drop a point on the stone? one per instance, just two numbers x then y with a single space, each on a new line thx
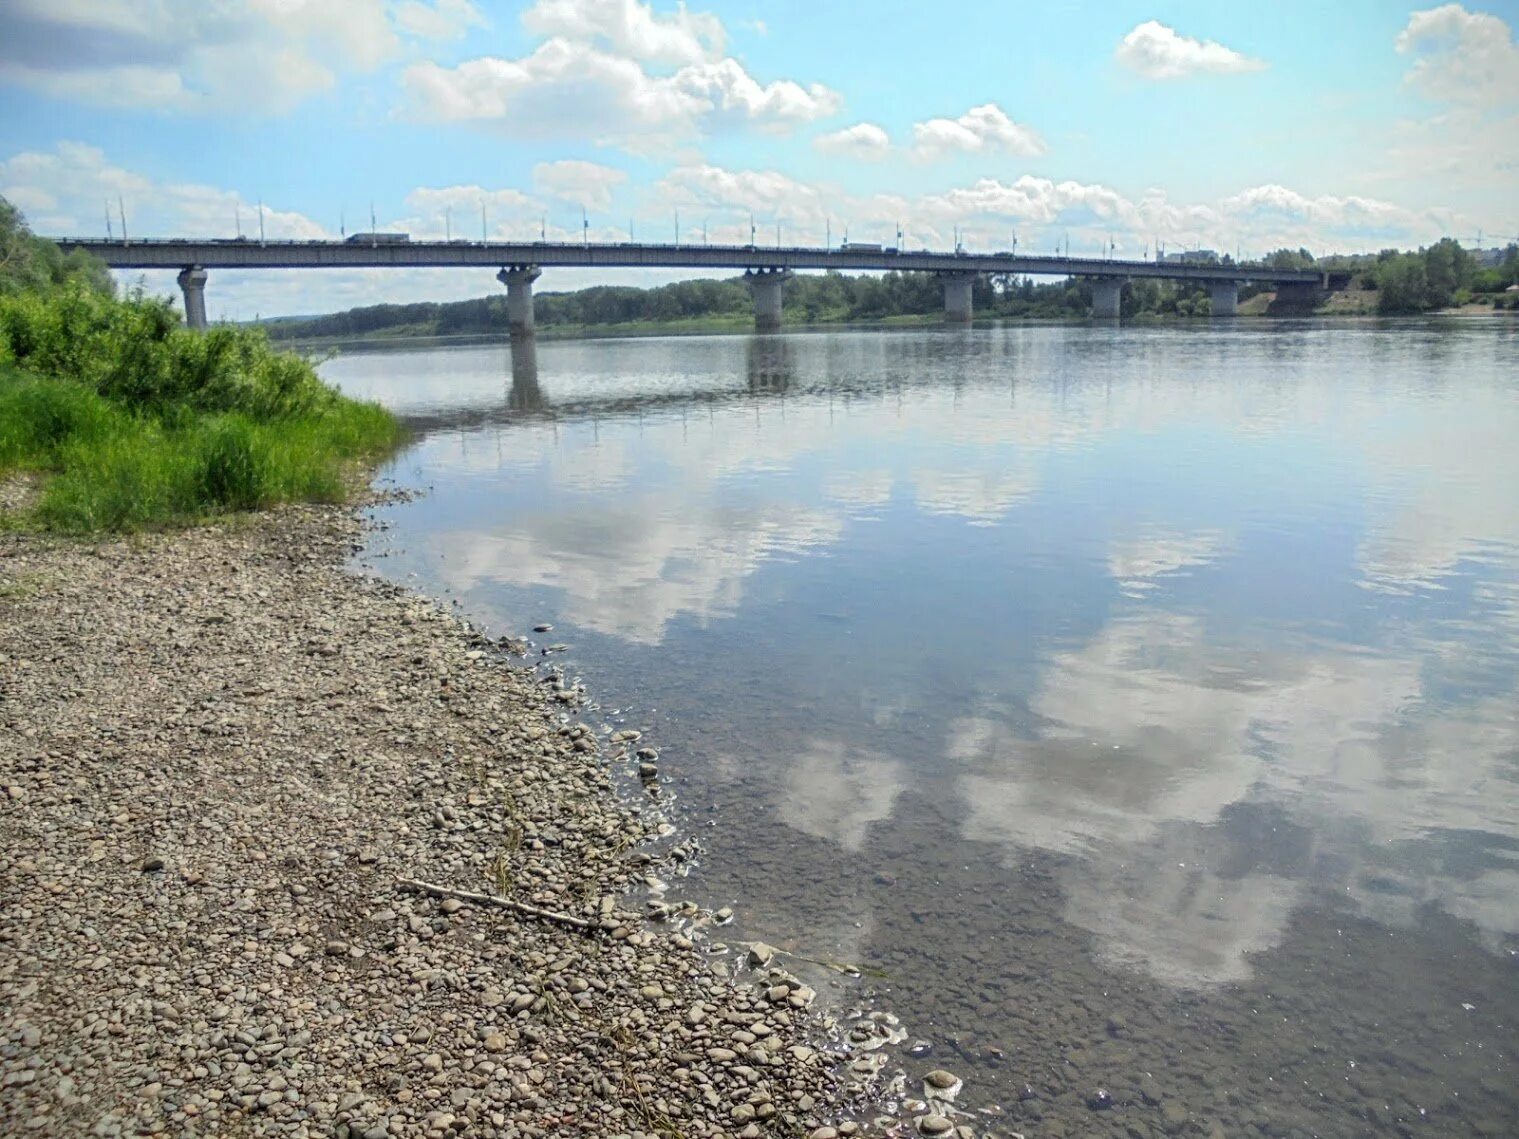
933 1125
1099 1100
941 1079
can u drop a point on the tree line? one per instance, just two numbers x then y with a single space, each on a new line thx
1432 278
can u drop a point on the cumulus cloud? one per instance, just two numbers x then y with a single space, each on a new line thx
265 56
863 140
631 29
503 214
444 20
566 88
63 191
1156 51
767 194
587 184
596 77
981 130
1467 149
1461 56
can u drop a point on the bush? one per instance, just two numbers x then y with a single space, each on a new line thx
116 470
141 421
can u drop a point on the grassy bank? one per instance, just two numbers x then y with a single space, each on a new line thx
135 421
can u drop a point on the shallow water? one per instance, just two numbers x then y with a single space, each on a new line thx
1139 705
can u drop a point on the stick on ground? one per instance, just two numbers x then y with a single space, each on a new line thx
490 900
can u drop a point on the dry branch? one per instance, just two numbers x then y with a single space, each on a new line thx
491 900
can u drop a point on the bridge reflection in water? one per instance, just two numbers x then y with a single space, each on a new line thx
525 393
770 370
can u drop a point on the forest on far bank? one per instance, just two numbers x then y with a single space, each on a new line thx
1436 277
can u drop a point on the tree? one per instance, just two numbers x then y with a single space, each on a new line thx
29 262
1402 284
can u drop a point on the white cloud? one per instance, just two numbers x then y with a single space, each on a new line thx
1467 150
1462 57
569 88
981 130
1156 51
264 56
444 20
778 106
597 76
864 141
504 214
587 184
65 191
767 194
631 29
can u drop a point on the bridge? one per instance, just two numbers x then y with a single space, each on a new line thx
766 268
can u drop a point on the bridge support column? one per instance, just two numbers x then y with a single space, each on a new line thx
192 280
518 280
1107 298
765 285
1295 299
1224 297
958 308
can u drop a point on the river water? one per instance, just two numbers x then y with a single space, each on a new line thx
1138 708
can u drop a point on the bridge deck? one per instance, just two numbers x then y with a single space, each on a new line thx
243 254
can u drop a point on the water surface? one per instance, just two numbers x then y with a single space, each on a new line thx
1139 705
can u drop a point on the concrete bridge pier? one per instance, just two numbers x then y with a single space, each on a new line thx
192 280
518 280
1107 298
958 305
1224 297
765 285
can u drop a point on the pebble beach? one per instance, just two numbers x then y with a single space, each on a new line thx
285 850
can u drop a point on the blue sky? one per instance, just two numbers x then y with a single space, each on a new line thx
1349 126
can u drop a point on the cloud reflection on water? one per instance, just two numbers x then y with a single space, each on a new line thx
630 570
1155 710
1146 736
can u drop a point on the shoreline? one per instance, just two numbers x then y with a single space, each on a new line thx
225 754
744 328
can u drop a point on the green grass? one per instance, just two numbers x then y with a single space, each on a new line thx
137 422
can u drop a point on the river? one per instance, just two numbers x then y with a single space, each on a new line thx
1137 708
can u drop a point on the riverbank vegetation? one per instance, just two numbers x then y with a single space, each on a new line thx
1433 278
134 420
720 305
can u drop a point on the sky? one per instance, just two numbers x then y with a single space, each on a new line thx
1119 125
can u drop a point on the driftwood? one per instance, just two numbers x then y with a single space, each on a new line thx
500 903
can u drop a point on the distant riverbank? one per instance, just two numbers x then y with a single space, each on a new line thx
1355 308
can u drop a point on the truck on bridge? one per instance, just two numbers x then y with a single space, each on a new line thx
378 238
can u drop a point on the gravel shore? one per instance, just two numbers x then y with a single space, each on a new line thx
221 756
